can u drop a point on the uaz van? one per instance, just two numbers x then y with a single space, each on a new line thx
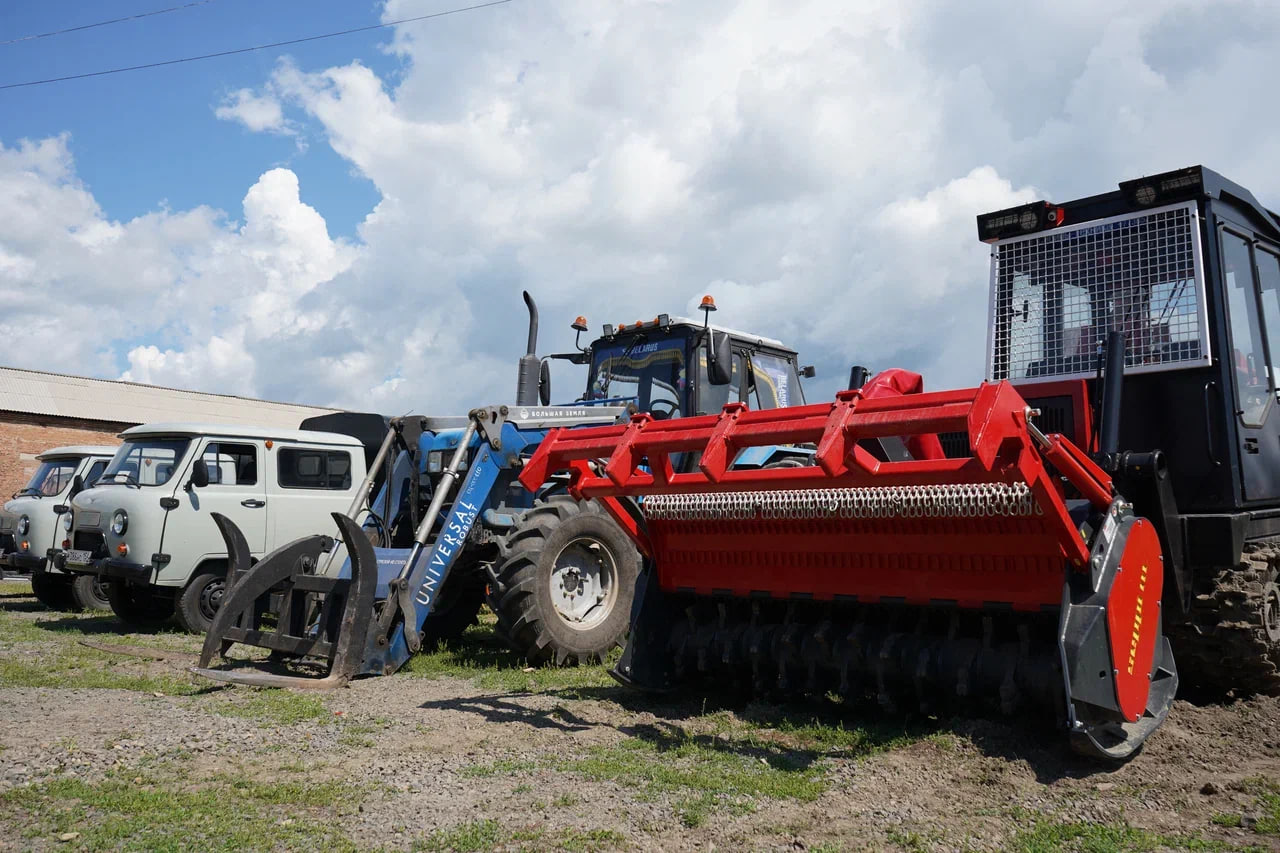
145 528
36 521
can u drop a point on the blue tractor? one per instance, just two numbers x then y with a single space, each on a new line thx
441 526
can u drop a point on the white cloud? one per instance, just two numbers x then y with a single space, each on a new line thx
259 113
815 165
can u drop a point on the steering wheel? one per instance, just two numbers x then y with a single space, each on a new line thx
671 408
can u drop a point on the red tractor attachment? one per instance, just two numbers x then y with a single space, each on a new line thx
1007 578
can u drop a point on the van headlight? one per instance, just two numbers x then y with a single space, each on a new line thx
24 525
119 522
66 522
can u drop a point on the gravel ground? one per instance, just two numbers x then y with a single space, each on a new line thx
471 751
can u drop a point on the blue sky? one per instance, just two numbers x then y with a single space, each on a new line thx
147 137
816 165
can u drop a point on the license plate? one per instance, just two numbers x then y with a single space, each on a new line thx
78 558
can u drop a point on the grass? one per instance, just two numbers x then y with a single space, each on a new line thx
158 813
81 667
1048 836
501 767
487 834
482 657
1265 812
274 707
60 660
703 773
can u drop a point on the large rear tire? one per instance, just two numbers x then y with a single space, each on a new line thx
53 591
199 601
89 592
139 606
565 579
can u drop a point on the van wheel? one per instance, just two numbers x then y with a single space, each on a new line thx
89 592
139 606
53 591
199 602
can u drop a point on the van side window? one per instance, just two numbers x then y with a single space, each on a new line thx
231 464
304 468
95 471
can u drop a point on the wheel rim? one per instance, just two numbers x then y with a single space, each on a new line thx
99 590
584 583
211 597
1271 612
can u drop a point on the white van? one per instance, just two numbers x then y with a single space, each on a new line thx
33 525
146 529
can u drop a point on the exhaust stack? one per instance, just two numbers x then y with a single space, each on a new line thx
527 375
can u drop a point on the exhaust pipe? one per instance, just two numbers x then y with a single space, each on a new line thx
527 375
1112 388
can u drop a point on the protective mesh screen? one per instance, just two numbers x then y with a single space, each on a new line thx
1057 294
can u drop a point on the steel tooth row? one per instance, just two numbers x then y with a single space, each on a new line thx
902 657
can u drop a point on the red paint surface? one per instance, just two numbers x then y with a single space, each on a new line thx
1133 617
971 561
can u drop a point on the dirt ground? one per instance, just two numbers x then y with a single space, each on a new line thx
470 750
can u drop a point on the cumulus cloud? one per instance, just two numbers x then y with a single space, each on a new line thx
815 165
256 112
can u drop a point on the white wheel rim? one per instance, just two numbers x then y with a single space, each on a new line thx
584 583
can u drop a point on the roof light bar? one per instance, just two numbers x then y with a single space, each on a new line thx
1016 221
1165 188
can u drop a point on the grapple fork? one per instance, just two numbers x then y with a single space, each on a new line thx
318 617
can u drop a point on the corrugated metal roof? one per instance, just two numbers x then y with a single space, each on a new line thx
38 393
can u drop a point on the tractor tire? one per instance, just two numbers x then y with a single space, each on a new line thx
563 583
139 606
457 608
53 591
89 592
1230 645
199 601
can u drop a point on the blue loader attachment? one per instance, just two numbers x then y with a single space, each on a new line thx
325 627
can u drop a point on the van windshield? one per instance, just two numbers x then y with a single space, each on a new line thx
145 462
51 478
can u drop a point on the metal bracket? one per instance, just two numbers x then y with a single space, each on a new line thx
489 422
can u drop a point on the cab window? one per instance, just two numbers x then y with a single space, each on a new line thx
145 461
51 477
305 468
1248 358
1269 283
231 464
651 372
712 398
95 471
775 382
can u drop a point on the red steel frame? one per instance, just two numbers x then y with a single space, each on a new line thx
970 561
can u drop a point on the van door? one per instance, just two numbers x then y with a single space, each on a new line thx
307 484
236 489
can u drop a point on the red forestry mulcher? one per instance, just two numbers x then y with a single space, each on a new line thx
1025 562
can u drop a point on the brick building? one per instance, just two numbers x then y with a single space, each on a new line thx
42 410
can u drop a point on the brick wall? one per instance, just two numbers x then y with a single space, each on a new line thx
22 436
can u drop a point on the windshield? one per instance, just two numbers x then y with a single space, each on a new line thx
145 462
52 477
776 383
651 372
